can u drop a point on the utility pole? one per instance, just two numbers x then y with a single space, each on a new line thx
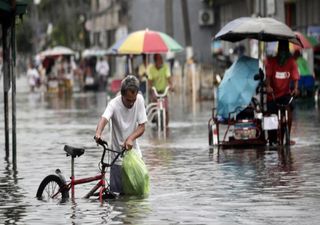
186 26
191 67
6 83
7 22
169 17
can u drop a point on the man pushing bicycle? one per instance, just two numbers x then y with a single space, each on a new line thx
128 115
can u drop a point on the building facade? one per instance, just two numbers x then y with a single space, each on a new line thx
109 20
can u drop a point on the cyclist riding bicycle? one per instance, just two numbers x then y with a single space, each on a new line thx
159 76
280 71
128 115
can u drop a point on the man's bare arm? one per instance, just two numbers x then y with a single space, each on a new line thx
137 133
100 127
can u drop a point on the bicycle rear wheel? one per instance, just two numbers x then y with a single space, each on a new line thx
52 188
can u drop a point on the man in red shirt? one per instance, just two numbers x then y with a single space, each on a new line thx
280 71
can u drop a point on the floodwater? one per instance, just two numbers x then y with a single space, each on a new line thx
189 183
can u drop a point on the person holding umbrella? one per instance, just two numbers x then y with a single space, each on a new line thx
280 71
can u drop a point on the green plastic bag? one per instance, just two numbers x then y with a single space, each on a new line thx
135 175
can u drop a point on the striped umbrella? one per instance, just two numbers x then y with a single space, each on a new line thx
146 41
307 42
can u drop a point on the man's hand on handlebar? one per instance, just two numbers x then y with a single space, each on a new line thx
97 138
171 88
128 144
269 90
99 141
295 92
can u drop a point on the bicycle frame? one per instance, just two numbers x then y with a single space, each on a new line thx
101 184
100 177
156 108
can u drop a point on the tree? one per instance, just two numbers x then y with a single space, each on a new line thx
24 36
64 16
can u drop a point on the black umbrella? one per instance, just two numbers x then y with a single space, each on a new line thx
260 28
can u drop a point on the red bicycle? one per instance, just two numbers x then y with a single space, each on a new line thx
56 187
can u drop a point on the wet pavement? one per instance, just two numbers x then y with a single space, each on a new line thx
190 184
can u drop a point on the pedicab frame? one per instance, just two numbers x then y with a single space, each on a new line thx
261 29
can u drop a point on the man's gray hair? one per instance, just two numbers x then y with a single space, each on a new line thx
130 82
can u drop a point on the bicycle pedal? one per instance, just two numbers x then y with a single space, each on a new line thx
109 195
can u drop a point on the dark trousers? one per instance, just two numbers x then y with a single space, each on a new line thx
272 108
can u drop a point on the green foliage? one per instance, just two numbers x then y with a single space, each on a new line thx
57 37
24 36
209 2
64 17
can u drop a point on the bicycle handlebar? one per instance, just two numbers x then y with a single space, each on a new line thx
283 105
104 144
100 141
164 94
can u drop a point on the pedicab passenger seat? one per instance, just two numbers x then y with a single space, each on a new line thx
246 128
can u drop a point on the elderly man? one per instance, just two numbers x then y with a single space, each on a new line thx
128 115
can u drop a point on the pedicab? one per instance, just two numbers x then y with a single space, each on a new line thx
239 118
238 115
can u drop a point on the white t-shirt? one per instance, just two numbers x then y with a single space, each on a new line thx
125 121
102 67
32 75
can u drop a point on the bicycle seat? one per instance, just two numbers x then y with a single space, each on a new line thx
73 151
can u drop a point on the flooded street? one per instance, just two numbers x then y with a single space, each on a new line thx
189 183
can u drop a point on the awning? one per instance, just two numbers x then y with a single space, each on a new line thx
7 7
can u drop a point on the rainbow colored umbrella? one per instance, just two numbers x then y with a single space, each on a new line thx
146 41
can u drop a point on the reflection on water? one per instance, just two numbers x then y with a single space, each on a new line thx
12 209
190 184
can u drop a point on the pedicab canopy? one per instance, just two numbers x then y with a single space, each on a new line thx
238 86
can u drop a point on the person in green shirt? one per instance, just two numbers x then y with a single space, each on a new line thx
306 82
159 76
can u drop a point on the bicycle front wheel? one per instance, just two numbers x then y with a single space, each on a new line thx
52 188
162 122
287 134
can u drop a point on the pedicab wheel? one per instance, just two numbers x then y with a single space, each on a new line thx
52 189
